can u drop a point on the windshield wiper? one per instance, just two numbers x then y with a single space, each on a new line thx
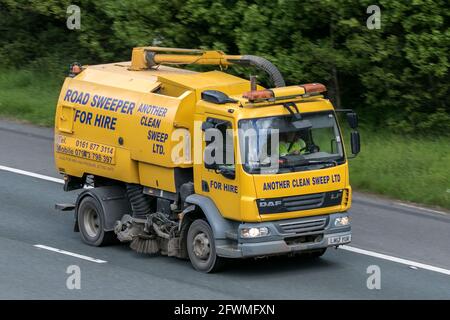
305 162
295 166
330 161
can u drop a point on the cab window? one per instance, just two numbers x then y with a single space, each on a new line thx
219 147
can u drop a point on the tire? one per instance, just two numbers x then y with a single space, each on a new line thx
91 223
201 247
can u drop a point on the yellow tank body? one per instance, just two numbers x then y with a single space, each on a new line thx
117 123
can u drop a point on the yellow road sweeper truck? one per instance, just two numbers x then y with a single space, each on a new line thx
202 165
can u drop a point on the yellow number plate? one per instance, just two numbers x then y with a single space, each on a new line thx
85 149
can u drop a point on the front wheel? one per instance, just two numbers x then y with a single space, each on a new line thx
201 247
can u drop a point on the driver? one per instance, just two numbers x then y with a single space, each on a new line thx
290 144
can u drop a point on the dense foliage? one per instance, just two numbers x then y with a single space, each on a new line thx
397 76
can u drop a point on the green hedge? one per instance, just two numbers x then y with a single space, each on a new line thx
397 76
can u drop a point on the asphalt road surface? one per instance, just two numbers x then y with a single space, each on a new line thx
410 246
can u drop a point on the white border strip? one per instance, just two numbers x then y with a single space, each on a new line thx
31 174
76 255
395 259
420 208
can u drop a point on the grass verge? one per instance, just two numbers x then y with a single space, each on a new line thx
414 169
30 96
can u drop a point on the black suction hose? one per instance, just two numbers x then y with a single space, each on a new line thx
140 203
265 65
258 62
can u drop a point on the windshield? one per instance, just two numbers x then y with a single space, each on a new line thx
285 143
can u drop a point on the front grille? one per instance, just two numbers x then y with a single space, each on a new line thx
303 226
304 239
299 202
305 202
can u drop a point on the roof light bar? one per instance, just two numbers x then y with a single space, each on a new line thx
258 95
285 93
313 88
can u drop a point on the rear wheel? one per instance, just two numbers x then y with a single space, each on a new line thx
201 247
91 223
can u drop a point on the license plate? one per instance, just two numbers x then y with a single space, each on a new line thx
339 239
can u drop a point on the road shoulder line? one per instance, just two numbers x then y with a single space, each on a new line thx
421 208
68 253
395 259
31 174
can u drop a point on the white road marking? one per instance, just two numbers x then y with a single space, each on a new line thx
420 208
344 247
395 259
76 255
32 174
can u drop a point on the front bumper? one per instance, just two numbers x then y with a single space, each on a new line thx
286 236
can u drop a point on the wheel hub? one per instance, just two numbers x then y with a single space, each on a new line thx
201 246
91 223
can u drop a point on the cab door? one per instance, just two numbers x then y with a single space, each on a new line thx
219 178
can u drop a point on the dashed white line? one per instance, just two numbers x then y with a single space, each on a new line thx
68 253
31 174
395 259
344 247
420 208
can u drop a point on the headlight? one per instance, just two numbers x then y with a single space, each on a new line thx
342 221
254 232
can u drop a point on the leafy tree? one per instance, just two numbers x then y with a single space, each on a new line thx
397 75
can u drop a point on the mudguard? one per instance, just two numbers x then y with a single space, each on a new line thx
113 200
218 223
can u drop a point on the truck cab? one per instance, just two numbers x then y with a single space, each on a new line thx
284 204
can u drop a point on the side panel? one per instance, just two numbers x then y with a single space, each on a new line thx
157 177
112 132
94 144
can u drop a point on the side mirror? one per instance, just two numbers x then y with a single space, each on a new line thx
352 119
355 142
210 163
226 172
211 166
